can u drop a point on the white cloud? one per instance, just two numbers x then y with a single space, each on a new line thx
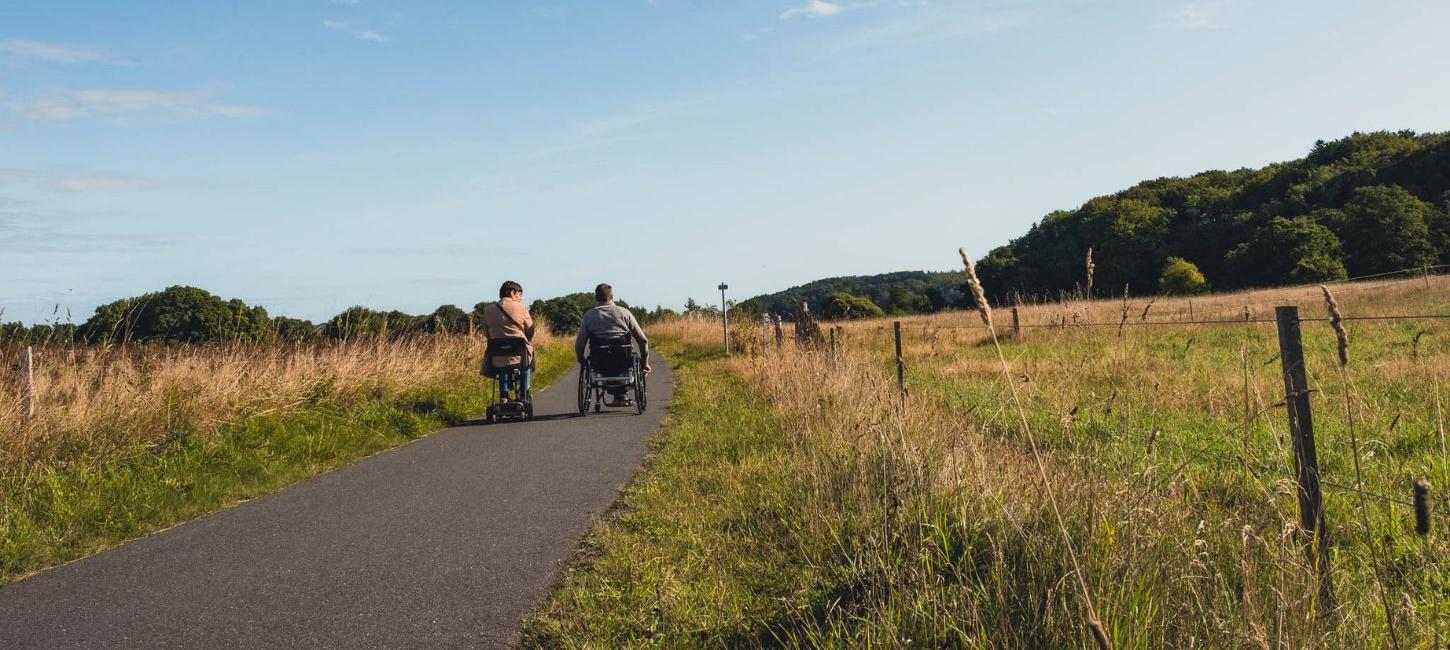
58 105
813 8
1206 14
355 32
21 48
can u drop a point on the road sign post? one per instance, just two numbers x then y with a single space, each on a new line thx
725 318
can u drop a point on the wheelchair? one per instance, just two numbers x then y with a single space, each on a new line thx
612 364
516 403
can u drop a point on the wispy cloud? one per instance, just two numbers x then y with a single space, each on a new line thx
925 23
58 105
77 183
813 8
1206 14
20 48
356 32
626 125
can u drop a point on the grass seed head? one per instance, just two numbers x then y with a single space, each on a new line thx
978 293
1099 635
1337 322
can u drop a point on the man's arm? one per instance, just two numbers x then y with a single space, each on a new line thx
638 333
580 341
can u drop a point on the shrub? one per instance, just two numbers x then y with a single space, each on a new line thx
841 305
1181 277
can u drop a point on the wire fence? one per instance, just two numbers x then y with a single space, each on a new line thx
1209 448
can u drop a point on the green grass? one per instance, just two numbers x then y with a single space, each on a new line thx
64 513
697 552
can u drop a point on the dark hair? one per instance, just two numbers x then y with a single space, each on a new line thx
508 288
603 293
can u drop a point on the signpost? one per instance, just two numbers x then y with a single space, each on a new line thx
724 317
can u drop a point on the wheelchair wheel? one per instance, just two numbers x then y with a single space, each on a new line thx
640 392
583 391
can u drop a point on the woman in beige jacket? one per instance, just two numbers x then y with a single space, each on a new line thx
508 319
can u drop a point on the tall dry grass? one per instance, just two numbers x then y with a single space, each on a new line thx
94 403
1167 447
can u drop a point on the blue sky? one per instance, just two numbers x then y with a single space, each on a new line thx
308 155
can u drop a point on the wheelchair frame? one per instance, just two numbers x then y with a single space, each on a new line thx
593 387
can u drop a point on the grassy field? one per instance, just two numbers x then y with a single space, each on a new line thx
129 440
797 499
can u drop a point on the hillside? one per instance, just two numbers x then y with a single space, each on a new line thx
903 292
1366 204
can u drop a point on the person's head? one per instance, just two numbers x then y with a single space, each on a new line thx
603 293
509 289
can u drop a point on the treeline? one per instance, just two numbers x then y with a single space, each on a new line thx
1367 204
189 314
866 296
566 313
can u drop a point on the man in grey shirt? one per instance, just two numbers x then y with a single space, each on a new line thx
610 321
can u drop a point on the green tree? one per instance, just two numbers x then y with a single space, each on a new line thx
453 319
1294 250
843 306
1439 225
294 329
180 314
1181 277
1386 229
902 300
358 322
564 314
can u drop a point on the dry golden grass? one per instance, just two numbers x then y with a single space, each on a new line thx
93 402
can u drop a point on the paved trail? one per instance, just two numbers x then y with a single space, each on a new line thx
444 542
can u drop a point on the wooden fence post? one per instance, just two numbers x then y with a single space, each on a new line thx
900 363
1306 460
779 335
27 385
1016 325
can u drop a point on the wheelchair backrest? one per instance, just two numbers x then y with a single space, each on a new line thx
506 347
611 357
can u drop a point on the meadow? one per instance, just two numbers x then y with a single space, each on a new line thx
1145 487
130 438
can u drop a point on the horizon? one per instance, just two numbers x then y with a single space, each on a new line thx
308 157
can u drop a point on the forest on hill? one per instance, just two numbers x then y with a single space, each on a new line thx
1366 204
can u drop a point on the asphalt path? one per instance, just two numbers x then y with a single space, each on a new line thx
443 542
